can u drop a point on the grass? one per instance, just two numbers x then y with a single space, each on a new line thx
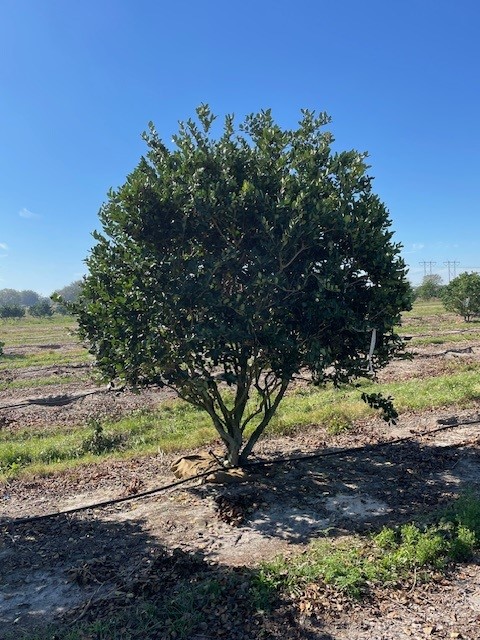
428 322
173 426
391 558
44 359
176 425
338 409
33 331
425 308
43 381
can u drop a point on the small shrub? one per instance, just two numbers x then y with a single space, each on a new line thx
100 441
42 309
12 461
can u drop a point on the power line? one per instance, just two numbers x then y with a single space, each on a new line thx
430 263
454 265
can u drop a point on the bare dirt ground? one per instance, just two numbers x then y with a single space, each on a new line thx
62 566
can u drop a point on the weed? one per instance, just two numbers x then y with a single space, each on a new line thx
391 557
99 441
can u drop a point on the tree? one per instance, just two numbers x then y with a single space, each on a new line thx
234 263
42 309
9 297
28 298
24 298
431 287
12 311
70 292
462 295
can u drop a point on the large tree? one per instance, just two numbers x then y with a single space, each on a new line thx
239 261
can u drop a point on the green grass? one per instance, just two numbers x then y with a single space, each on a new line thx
44 359
176 425
34 331
425 308
428 323
447 338
393 557
44 381
338 409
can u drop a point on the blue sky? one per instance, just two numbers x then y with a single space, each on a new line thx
79 81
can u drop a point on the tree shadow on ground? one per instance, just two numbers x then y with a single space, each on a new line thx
350 492
101 578
106 573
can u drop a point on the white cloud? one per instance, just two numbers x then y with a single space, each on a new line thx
4 246
413 248
29 215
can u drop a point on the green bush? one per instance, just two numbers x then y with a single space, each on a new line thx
42 309
12 311
462 295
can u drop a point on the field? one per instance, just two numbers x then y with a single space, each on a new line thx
375 534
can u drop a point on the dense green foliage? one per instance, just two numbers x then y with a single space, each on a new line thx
462 295
12 311
42 309
242 260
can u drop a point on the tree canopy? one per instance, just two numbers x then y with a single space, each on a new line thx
462 295
42 309
70 292
227 265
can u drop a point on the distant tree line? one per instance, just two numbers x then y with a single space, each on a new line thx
16 304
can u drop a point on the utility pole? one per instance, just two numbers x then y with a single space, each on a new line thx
454 265
425 267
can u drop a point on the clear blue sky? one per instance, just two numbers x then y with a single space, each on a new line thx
79 82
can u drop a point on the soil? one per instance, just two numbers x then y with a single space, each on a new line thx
67 566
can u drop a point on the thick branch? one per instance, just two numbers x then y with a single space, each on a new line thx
263 424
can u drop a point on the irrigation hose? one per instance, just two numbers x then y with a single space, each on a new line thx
257 463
